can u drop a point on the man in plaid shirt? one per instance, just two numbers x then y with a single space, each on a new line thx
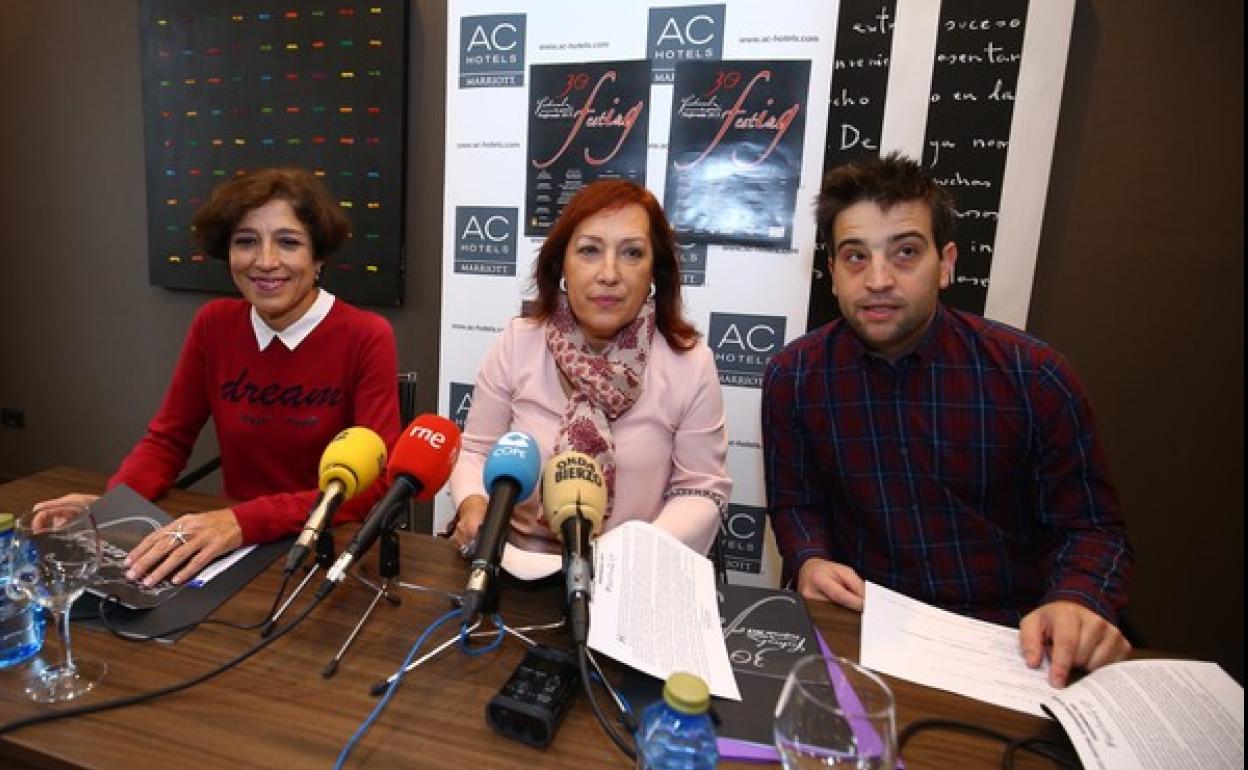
933 451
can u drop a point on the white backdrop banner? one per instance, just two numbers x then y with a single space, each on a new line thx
728 112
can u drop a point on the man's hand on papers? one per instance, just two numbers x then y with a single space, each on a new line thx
1074 636
824 580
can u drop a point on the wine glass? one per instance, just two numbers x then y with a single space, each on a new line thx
833 713
55 555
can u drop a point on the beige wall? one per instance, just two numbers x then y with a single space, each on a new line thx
1140 279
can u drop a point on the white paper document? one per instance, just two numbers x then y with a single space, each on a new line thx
530 565
221 564
655 608
1154 714
911 640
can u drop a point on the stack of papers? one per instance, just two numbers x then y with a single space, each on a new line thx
1128 715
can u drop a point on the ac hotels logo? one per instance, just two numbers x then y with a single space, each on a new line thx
461 402
485 239
742 346
491 51
688 33
741 530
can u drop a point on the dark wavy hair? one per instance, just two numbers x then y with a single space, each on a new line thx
886 181
609 195
216 221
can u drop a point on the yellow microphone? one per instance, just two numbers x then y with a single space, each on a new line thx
351 462
573 484
574 494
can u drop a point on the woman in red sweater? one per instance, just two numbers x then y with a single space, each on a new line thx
280 372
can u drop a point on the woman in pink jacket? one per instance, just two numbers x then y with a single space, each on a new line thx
606 365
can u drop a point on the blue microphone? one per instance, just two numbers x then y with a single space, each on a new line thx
511 474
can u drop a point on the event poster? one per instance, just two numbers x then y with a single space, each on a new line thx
734 157
587 121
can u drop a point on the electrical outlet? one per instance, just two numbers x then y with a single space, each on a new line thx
12 418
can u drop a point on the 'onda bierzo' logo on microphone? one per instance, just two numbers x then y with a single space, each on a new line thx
577 468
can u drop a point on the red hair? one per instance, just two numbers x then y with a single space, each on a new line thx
609 195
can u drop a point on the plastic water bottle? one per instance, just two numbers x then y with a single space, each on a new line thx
676 732
21 623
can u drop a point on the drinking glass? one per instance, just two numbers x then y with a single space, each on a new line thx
55 555
833 713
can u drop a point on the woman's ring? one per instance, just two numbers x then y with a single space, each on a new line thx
178 536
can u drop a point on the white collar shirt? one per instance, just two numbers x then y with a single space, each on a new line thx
297 332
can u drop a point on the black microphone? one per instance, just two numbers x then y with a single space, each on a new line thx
575 496
510 475
419 465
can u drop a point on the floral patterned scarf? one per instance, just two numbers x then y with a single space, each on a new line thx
604 385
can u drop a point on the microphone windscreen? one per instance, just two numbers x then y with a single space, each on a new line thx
572 483
355 458
514 456
426 451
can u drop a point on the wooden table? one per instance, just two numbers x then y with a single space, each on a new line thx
276 710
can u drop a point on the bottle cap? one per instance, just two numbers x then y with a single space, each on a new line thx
687 693
6 522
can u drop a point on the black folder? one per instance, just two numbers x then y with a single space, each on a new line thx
124 518
766 630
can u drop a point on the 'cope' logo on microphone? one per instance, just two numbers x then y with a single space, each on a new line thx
485 240
688 33
741 531
491 51
743 344
513 444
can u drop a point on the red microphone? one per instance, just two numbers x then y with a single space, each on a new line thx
424 455
420 463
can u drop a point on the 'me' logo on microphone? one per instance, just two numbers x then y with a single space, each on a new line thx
743 344
741 532
434 438
689 33
692 260
485 240
491 51
461 402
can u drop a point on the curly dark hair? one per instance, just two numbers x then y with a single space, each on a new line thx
609 195
887 181
216 221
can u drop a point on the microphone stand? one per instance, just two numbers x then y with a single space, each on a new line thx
388 566
325 556
488 609
575 533
474 631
